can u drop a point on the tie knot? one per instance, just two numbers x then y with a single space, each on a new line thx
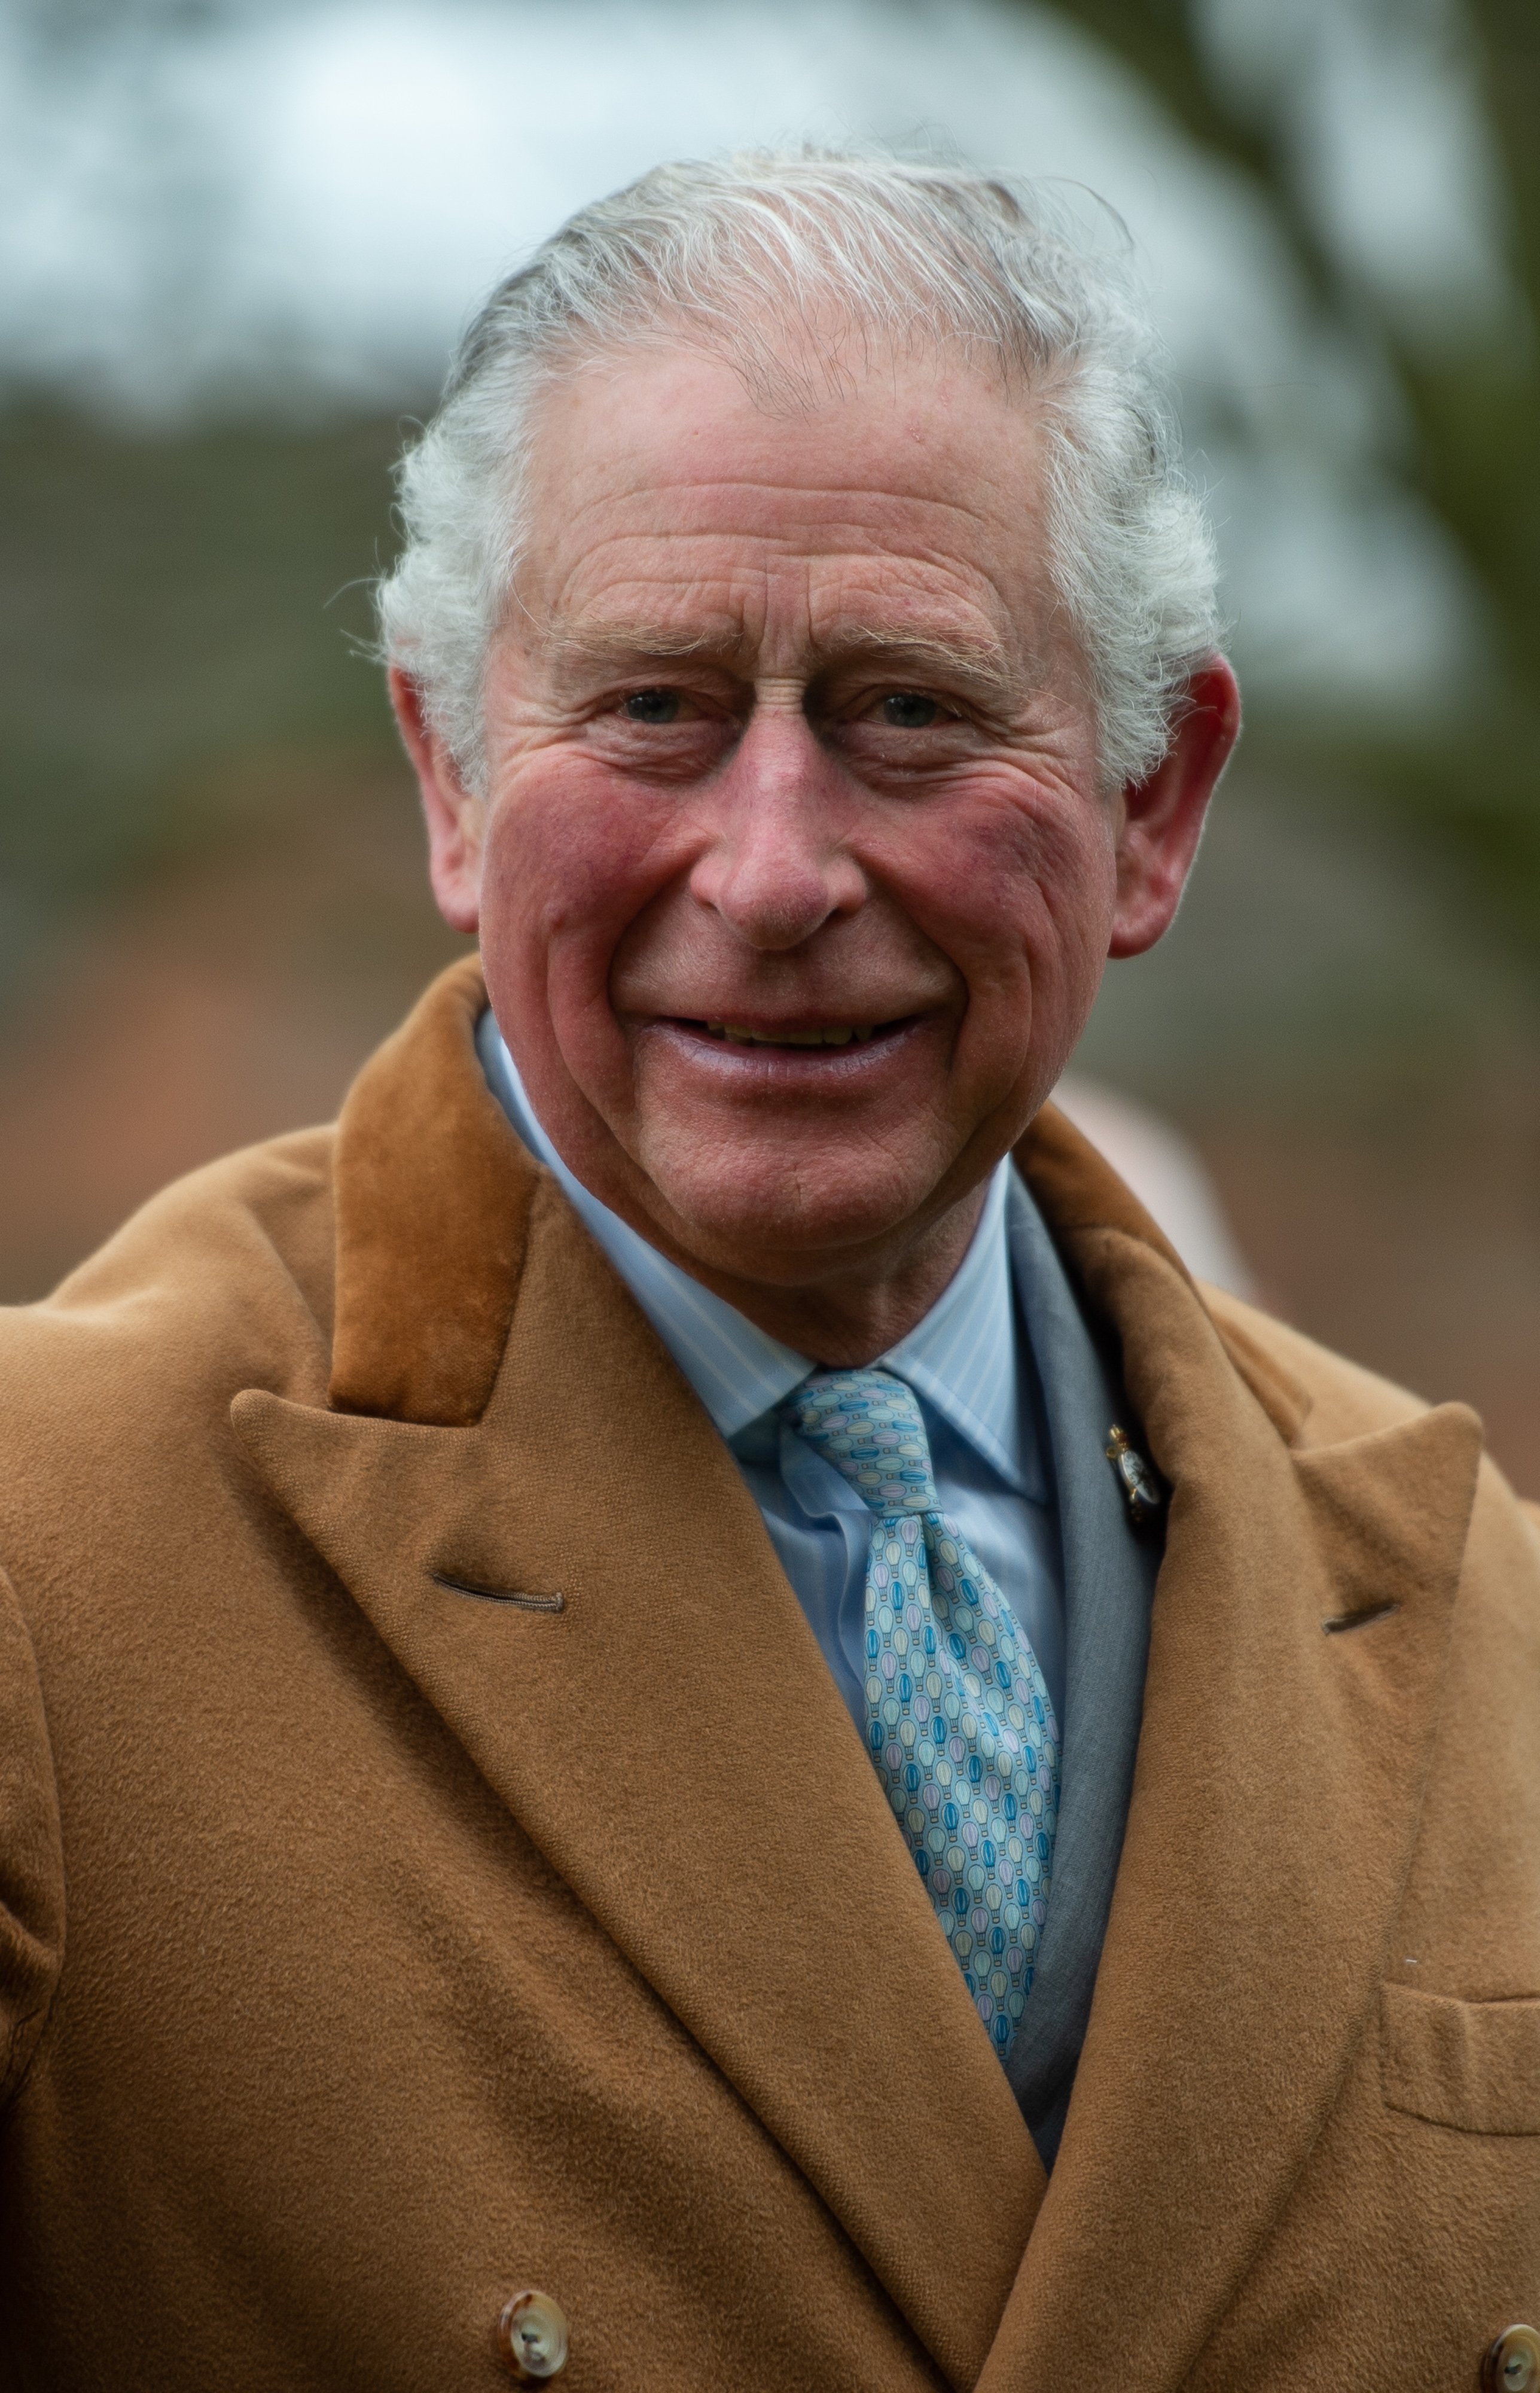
867 1424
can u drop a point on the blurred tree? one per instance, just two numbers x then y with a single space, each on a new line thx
1471 392
171 605
65 25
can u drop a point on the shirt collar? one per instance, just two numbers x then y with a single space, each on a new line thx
961 1358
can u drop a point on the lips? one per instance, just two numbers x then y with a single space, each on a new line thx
797 1052
827 1035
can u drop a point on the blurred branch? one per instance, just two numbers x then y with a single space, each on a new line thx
1509 34
1491 426
1158 39
66 25
60 29
1473 410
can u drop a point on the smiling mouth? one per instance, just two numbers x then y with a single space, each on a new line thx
843 1034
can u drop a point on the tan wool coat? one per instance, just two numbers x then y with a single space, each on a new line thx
372 1949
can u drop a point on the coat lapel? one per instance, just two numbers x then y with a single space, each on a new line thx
671 1738
1279 1774
1109 1579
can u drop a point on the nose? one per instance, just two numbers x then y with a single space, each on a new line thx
776 867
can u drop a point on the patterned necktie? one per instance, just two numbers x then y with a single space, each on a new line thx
959 1720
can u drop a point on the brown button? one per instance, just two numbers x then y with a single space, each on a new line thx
531 2336
1513 2363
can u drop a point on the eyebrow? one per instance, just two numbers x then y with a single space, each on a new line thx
612 640
979 660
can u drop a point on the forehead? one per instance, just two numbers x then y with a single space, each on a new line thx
659 489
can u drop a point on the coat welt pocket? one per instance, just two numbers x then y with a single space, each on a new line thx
1471 2065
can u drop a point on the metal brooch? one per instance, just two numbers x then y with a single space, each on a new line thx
1141 1490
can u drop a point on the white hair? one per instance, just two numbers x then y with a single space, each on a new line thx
783 263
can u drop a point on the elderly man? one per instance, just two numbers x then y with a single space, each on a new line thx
676 1713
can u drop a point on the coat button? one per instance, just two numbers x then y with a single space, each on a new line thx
531 2336
1513 2363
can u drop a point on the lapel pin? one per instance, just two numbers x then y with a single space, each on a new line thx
1141 1490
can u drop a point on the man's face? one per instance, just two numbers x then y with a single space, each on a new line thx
793 878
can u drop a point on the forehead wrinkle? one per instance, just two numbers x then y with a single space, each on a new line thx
841 607
876 521
853 508
655 592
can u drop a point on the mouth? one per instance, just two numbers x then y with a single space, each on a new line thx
798 1044
762 1055
832 1034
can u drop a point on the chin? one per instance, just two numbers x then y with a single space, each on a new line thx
774 1223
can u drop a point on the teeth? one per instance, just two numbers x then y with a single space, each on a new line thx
841 1038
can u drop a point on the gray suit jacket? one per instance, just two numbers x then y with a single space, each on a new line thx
1109 1584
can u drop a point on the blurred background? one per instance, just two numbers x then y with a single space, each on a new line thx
237 240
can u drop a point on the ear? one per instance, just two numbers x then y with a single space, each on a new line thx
455 817
1162 817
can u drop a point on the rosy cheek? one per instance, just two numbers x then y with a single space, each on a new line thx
572 854
1012 884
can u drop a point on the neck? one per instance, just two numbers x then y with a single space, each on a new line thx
847 1319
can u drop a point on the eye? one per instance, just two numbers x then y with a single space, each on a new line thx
909 709
652 706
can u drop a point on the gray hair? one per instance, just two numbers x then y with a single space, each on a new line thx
780 262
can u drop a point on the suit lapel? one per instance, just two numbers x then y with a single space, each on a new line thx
1279 1772
1109 1577
673 1743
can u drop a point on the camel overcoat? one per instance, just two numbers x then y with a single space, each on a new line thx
372 1949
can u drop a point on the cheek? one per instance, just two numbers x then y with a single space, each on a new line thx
1017 887
571 859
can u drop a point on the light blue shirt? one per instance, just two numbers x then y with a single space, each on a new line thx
968 1360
